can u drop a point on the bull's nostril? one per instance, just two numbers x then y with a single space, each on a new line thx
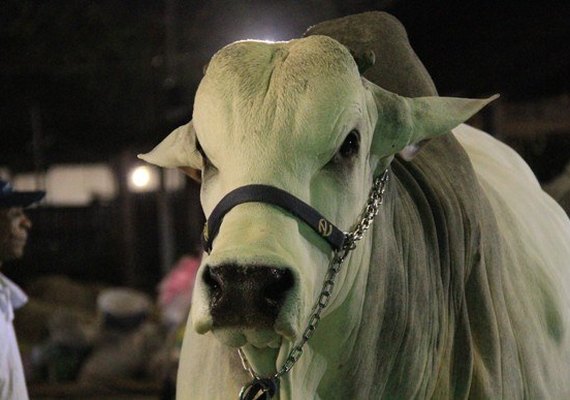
281 280
250 295
213 281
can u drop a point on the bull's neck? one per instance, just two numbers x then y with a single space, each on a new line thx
334 342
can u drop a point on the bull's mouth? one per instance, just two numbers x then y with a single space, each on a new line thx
258 338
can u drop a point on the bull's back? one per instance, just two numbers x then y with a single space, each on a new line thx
534 273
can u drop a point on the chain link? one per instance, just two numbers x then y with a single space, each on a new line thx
375 199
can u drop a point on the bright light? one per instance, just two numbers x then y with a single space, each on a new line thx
140 177
143 178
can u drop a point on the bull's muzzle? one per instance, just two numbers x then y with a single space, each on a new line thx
250 297
246 296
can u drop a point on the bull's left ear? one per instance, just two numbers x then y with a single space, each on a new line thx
177 150
404 123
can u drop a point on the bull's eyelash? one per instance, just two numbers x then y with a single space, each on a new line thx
200 150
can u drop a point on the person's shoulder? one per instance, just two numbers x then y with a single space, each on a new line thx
17 296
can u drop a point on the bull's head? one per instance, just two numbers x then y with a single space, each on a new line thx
297 116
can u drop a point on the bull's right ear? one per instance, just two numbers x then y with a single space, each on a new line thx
177 150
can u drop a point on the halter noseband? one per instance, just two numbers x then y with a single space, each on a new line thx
275 196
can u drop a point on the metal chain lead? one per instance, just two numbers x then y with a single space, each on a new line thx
375 199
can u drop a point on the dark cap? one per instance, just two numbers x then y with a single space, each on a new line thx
12 198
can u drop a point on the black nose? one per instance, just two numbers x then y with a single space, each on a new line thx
248 296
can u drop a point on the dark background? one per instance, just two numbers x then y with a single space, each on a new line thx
96 73
93 81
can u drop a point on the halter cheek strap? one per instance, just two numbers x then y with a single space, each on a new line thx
275 196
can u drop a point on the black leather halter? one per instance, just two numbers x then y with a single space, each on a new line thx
278 197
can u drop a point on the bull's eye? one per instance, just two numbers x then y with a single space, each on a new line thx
205 158
350 146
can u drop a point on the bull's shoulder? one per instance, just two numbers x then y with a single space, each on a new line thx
514 193
533 248
471 220
489 156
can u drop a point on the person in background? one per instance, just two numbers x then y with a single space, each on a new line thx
14 227
174 301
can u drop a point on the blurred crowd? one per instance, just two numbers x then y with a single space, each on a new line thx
105 339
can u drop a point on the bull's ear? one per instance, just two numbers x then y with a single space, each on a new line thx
177 150
405 124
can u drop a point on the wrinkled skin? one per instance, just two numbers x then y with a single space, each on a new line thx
282 114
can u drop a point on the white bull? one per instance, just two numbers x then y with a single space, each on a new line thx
459 290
